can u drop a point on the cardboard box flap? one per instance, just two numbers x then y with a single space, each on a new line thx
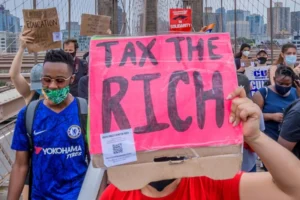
203 161
137 176
149 156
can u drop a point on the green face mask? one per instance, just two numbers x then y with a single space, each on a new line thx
57 96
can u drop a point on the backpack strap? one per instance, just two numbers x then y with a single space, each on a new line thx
83 112
36 96
29 118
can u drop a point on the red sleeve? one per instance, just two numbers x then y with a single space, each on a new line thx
107 194
231 188
222 189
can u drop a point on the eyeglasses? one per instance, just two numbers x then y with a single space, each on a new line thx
59 81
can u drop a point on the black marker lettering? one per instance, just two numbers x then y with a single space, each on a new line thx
211 47
177 46
111 104
147 52
178 124
215 93
129 52
108 53
152 124
199 48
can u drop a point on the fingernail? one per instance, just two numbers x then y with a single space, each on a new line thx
229 97
231 120
235 124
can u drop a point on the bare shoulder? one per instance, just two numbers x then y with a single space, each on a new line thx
260 186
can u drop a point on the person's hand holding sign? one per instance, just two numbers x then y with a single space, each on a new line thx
245 111
25 39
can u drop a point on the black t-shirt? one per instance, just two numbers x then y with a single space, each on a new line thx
83 87
80 71
290 129
36 96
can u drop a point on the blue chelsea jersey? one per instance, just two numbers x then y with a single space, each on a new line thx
58 159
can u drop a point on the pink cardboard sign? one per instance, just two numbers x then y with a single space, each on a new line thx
169 89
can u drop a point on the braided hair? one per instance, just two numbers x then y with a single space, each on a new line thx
286 72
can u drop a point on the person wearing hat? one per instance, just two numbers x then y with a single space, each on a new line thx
28 91
262 58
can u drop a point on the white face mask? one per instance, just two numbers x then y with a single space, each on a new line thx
246 53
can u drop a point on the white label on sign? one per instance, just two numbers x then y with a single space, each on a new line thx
57 36
118 147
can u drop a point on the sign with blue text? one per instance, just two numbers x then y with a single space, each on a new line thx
257 77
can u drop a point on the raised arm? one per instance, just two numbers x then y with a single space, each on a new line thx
17 79
272 74
282 183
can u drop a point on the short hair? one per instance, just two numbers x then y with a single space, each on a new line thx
285 71
71 41
244 82
59 56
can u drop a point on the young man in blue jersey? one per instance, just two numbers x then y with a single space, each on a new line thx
58 157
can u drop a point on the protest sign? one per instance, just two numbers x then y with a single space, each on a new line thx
181 20
161 95
44 26
94 25
257 77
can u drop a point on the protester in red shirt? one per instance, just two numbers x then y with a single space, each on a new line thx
280 183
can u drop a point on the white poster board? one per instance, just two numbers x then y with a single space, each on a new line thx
91 183
257 77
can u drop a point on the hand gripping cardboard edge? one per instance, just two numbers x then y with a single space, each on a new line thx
218 163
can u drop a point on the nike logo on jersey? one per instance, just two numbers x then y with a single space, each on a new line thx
40 132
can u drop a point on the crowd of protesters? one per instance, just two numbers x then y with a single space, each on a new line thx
51 152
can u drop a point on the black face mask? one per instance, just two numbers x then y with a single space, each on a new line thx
73 54
262 60
161 185
282 90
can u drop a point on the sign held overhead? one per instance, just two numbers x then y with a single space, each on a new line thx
94 25
42 23
181 20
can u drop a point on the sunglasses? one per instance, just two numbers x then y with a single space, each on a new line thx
46 81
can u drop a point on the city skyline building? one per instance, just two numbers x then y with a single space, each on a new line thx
9 22
256 23
222 13
243 28
295 23
281 20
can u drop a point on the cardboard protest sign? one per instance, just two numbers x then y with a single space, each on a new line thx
181 20
162 96
257 77
44 26
94 25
